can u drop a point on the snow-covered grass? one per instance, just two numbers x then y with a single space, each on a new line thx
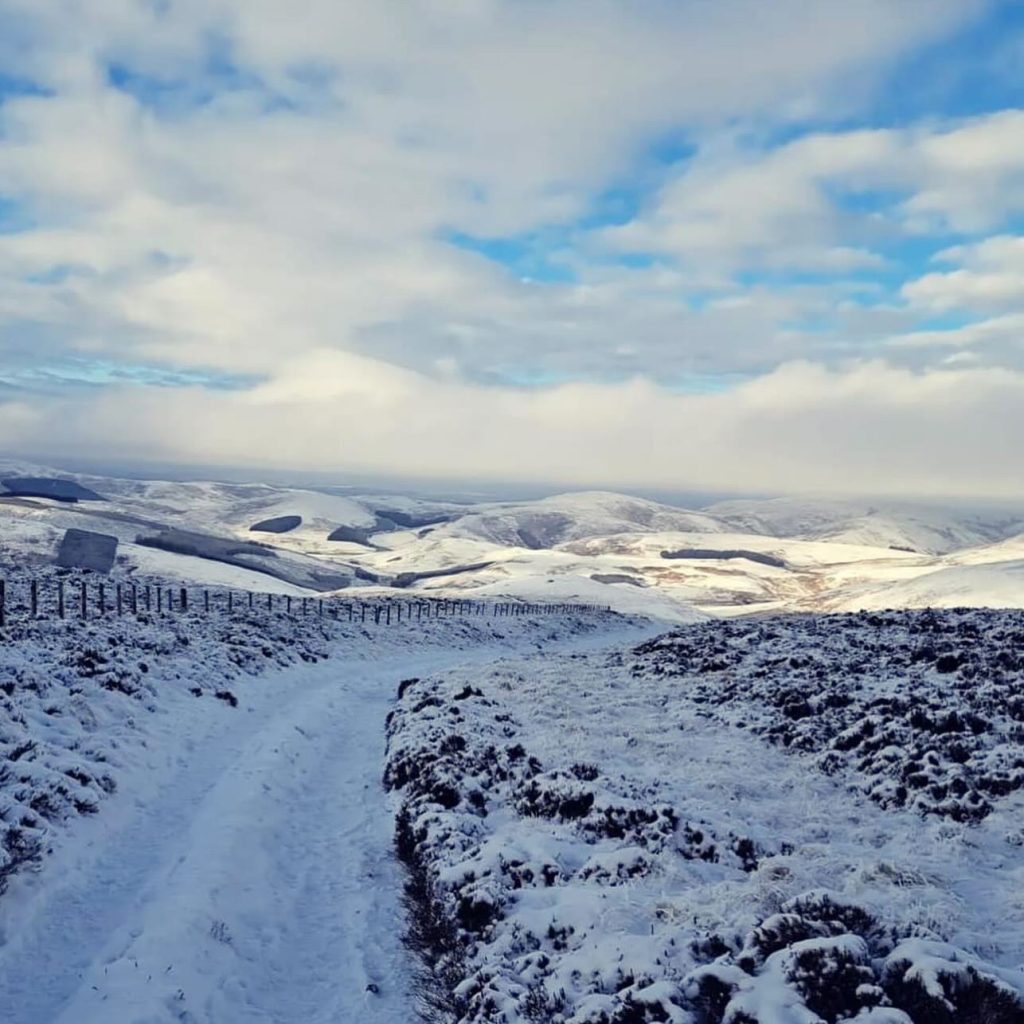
786 821
924 709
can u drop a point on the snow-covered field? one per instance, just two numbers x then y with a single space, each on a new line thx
755 819
194 824
784 821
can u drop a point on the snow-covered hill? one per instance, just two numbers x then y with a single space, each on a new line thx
995 585
732 558
549 522
919 528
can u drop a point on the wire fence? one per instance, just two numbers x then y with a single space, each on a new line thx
84 599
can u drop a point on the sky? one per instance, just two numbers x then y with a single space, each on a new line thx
683 244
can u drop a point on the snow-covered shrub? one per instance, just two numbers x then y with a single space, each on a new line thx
937 984
924 707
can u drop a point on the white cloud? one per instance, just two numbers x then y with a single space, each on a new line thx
732 206
995 334
970 177
868 429
737 205
989 278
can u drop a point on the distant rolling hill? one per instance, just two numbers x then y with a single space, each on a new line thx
738 557
913 527
549 522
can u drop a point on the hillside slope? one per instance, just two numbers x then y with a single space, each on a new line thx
734 558
920 528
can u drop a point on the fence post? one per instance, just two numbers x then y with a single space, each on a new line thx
35 598
85 598
321 607
3 603
184 599
159 599
103 600
351 611
270 602
362 609
288 604
119 601
206 601
250 598
231 601
60 599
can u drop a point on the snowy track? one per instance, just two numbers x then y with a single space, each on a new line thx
248 888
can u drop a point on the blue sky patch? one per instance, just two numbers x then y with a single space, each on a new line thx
80 374
533 257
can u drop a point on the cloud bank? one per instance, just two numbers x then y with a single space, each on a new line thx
664 244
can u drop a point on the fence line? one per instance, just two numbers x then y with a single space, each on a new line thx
102 600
